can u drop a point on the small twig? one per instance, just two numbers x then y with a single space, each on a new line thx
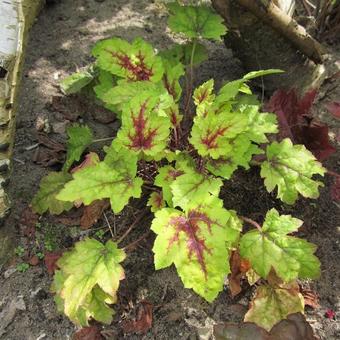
108 223
102 139
31 147
127 232
305 5
134 243
252 222
19 160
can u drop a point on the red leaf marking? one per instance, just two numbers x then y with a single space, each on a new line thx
173 174
138 68
159 200
210 139
141 139
173 117
170 87
190 226
203 96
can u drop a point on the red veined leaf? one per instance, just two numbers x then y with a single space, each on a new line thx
156 201
297 123
135 62
166 176
143 130
196 242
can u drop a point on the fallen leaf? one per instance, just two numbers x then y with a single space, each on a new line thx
334 109
88 333
50 259
244 331
27 222
310 297
49 152
70 107
273 303
92 213
295 327
238 267
34 260
143 321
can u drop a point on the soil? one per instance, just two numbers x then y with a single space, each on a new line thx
60 42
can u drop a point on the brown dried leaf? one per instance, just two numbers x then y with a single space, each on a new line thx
69 107
27 222
143 321
310 297
92 213
238 267
88 333
50 260
295 327
34 260
49 152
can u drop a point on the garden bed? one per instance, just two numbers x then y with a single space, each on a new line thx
60 43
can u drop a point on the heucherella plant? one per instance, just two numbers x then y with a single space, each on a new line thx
181 146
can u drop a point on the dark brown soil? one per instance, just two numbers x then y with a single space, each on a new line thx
60 42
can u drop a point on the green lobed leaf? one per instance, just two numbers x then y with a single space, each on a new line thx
211 134
79 138
124 91
290 168
105 82
102 181
241 155
271 247
273 304
144 127
88 280
231 89
45 199
135 62
195 241
171 77
76 81
260 73
166 176
193 187
196 21
182 54
175 117
204 97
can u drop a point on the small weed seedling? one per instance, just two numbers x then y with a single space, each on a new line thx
183 151
22 267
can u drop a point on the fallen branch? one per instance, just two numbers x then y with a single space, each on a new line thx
288 27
